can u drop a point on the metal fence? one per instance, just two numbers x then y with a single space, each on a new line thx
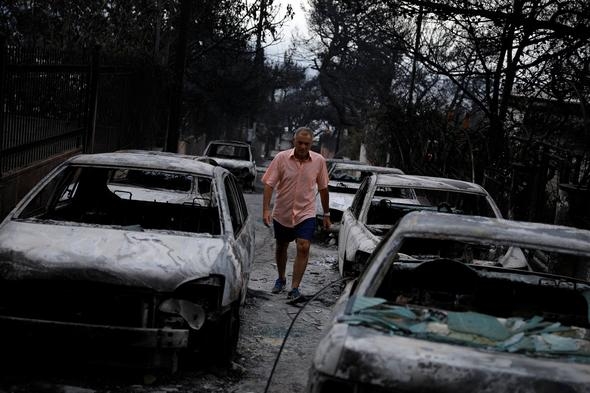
44 104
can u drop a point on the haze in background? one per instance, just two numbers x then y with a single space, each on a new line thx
294 27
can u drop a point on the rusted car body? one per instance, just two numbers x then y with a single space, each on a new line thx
345 179
236 157
384 198
140 254
435 312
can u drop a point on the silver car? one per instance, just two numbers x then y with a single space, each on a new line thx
435 311
236 157
138 256
345 179
384 198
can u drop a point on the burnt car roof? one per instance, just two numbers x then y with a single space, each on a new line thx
429 182
229 142
139 159
366 167
515 233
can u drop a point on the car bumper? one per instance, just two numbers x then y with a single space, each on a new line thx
396 363
90 335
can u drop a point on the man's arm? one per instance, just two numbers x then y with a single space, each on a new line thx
266 211
325 199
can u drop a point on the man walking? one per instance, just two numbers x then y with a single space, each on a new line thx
294 173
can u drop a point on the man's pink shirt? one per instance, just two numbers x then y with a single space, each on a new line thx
294 183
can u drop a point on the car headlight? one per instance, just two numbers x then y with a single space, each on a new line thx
196 301
192 313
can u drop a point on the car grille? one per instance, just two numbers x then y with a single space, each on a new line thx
77 302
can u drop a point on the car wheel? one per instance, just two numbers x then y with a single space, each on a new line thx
226 335
215 343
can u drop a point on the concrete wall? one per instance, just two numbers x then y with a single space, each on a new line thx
14 187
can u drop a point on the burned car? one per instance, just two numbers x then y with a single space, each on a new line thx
133 256
435 311
384 198
345 179
236 157
330 162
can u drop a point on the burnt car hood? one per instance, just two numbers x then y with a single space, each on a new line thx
364 355
158 261
233 164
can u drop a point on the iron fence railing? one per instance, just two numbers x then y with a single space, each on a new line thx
44 106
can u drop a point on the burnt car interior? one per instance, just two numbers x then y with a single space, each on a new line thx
229 151
133 199
342 188
455 202
384 211
435 273
349 175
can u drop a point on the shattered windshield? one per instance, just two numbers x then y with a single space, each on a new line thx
534 336
462 292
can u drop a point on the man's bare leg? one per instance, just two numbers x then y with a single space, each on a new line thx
300 263
281 258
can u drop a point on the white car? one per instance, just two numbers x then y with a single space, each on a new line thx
136 256
436 311
345 179
236 157
384 198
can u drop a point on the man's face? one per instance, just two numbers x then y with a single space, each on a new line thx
302 144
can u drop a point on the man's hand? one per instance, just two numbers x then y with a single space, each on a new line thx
266 217
327 223
266 210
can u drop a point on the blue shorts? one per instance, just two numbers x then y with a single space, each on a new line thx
304 230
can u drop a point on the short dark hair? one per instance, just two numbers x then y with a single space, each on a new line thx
303 130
